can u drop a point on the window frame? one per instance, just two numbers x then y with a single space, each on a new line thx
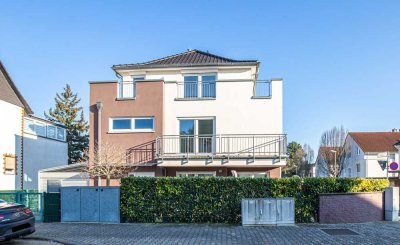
358 167
132 129
199 87
195 173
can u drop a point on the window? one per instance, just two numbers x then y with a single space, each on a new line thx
196 135
10 164
51 131
122 124
253 174
60 133
144 123
349 172
132 124
358 150
29 126
358 166
195 174
198 86
262 89
127 89
40 129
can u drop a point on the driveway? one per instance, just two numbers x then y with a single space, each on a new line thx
80 233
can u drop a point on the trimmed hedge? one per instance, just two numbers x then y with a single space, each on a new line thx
217 199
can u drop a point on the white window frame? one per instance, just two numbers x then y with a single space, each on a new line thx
132 130
120 89
266 173
55 131
200 83
358 167
196 173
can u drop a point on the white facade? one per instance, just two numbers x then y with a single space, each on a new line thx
10 131
234 110
365 164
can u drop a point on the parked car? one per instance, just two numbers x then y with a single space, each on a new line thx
16 220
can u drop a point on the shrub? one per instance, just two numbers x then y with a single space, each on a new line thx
217 199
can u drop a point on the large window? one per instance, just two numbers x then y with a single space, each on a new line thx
132 124
40 128
127 89
196 135
198 86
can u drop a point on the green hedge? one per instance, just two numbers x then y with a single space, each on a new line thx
217 199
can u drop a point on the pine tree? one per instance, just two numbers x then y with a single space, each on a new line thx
68 113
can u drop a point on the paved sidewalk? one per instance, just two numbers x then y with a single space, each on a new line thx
73 233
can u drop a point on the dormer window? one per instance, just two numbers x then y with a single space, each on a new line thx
127 89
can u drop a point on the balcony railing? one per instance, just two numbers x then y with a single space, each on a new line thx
262 89
196 90
222 146
126 90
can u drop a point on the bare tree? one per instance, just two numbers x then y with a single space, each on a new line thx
109 161
306 160
331 152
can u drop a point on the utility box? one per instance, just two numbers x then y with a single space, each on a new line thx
90 204
268 211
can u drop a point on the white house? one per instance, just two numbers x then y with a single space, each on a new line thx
196 113
369 153
27 143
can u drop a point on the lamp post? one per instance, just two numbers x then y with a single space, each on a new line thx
334 167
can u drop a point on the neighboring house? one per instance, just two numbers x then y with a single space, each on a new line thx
27 143
51 179
367 154
192 114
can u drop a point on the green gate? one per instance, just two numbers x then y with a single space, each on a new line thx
32 200
52 207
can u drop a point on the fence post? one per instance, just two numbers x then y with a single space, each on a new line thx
392 203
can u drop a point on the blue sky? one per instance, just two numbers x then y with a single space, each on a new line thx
339 59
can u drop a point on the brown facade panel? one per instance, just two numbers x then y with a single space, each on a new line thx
148 103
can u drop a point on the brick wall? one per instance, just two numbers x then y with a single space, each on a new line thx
351 207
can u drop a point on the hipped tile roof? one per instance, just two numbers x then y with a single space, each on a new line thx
376 141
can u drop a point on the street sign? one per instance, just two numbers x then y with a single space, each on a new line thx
394 166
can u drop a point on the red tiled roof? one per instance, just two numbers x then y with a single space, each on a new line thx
376 141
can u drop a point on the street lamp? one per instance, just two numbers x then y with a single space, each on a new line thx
334 168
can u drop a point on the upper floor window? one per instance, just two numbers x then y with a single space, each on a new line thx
358 150
262 89
44 129
132 124
197 87
127 89
358 167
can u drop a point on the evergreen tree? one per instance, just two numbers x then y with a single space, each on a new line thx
68 113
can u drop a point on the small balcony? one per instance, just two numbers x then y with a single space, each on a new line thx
196 90
126 90
256 146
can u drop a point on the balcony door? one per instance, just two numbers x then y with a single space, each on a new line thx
196 135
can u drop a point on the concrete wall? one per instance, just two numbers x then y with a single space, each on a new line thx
41 153
11 126
351 207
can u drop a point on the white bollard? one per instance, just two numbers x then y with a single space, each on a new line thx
392 203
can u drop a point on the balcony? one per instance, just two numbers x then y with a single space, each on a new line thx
196 90
257 146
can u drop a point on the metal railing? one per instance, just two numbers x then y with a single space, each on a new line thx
126 90
262 88
224 145
196 90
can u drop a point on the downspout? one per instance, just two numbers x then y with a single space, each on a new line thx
99 106
22 148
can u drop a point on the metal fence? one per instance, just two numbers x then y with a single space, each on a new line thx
192 90
32 200
257 145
